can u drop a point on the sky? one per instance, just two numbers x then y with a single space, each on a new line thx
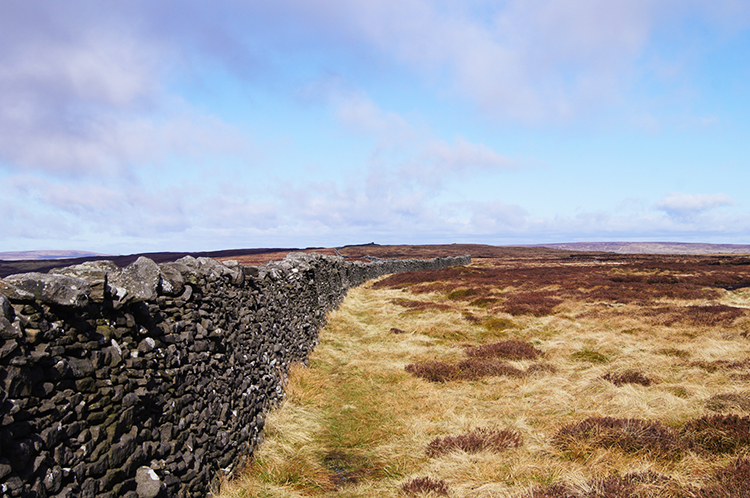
156 125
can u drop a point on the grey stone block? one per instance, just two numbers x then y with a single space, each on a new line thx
51 289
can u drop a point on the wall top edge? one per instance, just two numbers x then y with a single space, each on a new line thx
145 280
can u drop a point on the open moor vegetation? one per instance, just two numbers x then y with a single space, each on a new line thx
529 374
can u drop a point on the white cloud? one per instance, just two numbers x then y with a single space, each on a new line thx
82 92
361 115
686 206
536 61
497 217
532 60
463 156
411 153
116 145
435 162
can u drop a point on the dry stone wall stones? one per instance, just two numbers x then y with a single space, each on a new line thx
10 291
7 316
148 484
6 311
169 376
172 281
62 290
138 281
96 273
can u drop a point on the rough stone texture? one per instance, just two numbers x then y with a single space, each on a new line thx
12 292
138 281
6 311
95 273
172 282
148 483
168 369
63 290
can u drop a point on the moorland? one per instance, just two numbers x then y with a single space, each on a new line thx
531 373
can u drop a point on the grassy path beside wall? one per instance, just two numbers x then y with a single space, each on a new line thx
475 386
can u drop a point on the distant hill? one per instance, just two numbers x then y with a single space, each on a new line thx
652 247
35 255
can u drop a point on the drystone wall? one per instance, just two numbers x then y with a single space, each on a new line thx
152 380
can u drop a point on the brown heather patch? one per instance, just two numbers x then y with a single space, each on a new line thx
479 439
713 315
732 481
634 485
639 279
699 316
434 371
510 350
438 371
726 482
628 377
710 434
426 485
717 434
716 365
530 303
627 435
725 402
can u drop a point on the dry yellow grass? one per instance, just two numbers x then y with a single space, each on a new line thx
356 424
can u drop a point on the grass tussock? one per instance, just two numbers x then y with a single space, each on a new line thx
485 302
497 324
462 293
675 352
346 468
589 355
415 305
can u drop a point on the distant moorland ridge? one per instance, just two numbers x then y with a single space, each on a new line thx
652 247
22 255
43 261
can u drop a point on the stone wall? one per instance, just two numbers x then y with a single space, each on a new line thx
152 380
